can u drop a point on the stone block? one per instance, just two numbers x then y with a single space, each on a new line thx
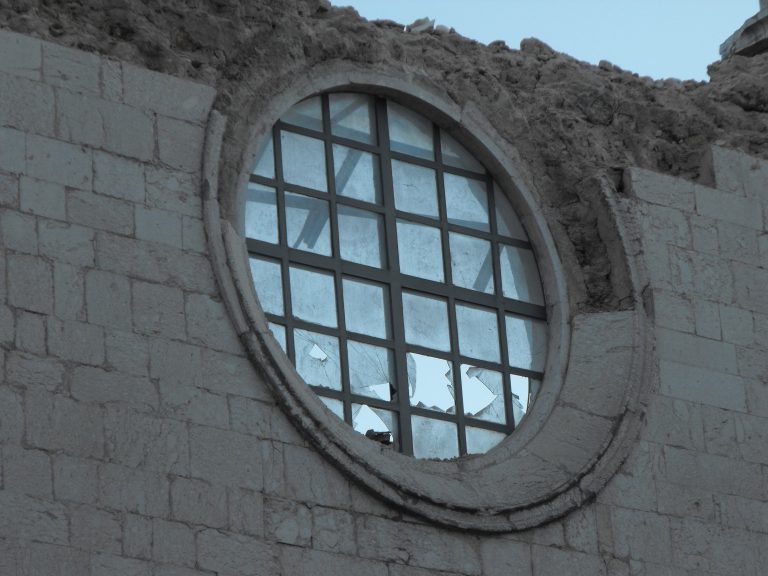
11 416
633 486
158 310
674 422
60 162
738 325
106 565
580 529
100 212
27 472
74 70
193 234
503 557
75 479
251 416
69 292
92 384
673 311
739 173
59 423
666 225
96 530
127 352
704 234
112 80
26 105
234 554
30 332
187 158
13 146
547 561
743 513
18 232
749 287
738 243
198 502
30 283
137 536
703 385
641 535
29 371
28 518
288 522
7 325
134 490
310 478
174 191
118 177
729 207
715 549
246 511
42 198
695 351
661 189
333 531
175 362
701 275
224 457
753 363
225 373
707 316
160 226
685 501
66 242
77 341
9 190
307 562
108 299
209 325
167 95
187 402
173 543
21 55
39 558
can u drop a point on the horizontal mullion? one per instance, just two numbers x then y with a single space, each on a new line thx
486 425
434 165
356 398
333 138
525 373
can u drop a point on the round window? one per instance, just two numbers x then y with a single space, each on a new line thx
396 276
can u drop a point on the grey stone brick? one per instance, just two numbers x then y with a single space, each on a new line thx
198 502
738 325
753 363
101 212
677 500
173 543
171 570
170 132
159 226
127 352
175 362
112 79
58 423
44 559
158 310
701 274
641 535
137 536
707 316
42 198
69 292
229 374
228 553
673 311
21 55
251 416
633 486
105 565
674 422
18 232
30 283
666 225
548 561
738 243
749 287
208 324
333 530
703 385
166 94
75 479
133 490
27 472
695 351
29 371
729 207
66 243
118 177
77 341
193 234
503 557
187 402
704 231
32 519
719 550
30 332
26 105
662 189
742 513
9 190
225 457
71 69
108 299
246 511
11 416
97 385
580 529
13 147
306 562
308 478
96 530
61 162
288 522
174 191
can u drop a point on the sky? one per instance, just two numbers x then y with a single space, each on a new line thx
657 38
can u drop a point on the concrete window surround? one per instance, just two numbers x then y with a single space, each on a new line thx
597 375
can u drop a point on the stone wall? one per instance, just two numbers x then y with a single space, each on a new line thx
137 439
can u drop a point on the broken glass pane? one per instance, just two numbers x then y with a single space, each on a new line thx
352 117
365 308
370 370
420 250
478 332
317 359
415 189
454 154
303 161
426 321
357 174
307 224
527 343
479 440
434 438
430 383
375 423
307 114
360 236
409 132
507 222
519 275
265 159
278 331
521 395
313 297
471 262
335 406
466 201
482 394
261 213
268 280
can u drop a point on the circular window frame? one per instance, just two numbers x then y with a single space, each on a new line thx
585 418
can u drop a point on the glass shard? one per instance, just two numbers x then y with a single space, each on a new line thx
420 250
471 262
335 406
415 189
317 359
478 332
466 201
371 371
520 275
454 154
430 383
352 117
521 395
261 213
527 343
307 114
409 132
434 438
313 297
479 441
308 225
365 308
278 331
357 174
482 394
265 159
303 161
268 280
507 221
360 236
426 321
375 423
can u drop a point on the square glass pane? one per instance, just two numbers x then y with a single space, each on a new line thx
471 262
371 370
430 383
466 202
521 388
454 154
352 116
307 223
507 221
527 343
426 321
265 159
303 161
479 441
278 331
420 250
375 423
478 332
415 189
313 297
434 438
483 393
357 174
520 275
335 406
317 359
409 132
307 114
365 308
268 280
261 213
361 235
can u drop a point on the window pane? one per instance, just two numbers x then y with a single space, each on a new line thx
507 222
313 297
371 371
357 174
265 159
307 114
261 213
430 383
268 280
482 393
521 395
426 321
307 223
466 201
527 343
367 421
415 189
335 406
454 154
519 275
360 236
365 308
317 359
471 262
434 438
352 117
303 161
420 250
278 331
480 441
478 332
409 132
